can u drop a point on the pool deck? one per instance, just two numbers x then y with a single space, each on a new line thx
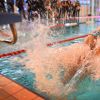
9 90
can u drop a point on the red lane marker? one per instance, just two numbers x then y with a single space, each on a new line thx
69 39
49 44
12 53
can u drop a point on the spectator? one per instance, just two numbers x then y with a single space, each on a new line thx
42 10
77 8
2 6
63 9
68 7
10 4
74 9
33 7
29 9
20 5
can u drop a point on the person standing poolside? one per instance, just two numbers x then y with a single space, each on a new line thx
29 9
10 4
77 3
59 8
77 10
20 5
2 6
68 7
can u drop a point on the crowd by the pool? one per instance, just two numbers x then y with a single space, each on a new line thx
31 9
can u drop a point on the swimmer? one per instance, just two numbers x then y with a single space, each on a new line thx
57 62
95 61
55 67
94 57
89 45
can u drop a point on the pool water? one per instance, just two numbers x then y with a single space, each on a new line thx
87 89
17 72
68 32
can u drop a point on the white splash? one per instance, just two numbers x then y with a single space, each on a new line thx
55 67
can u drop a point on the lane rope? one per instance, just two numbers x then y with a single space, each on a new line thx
49 44
66 40
12 53
73 38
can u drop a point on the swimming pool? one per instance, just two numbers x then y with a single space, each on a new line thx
17 72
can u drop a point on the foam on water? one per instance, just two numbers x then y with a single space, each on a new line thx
49 63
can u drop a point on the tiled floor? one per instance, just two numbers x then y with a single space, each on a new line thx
12 91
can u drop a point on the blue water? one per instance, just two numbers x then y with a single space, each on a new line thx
87 89
68 32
